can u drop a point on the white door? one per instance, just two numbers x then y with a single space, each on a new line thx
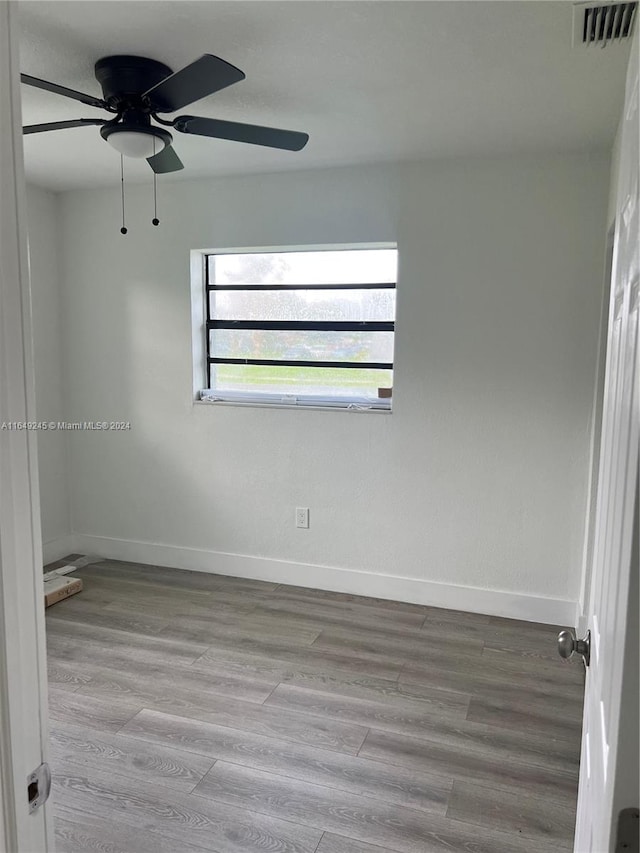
615 512
23 698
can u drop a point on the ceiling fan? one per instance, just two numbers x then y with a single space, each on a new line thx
135 89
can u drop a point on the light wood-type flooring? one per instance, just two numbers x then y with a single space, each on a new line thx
193 712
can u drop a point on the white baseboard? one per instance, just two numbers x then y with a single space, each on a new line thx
56 549
531 608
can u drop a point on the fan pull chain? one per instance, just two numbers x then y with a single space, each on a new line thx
123 230
155 220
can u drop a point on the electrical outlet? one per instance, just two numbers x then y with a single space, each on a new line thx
302 516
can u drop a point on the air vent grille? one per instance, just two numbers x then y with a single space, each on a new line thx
603 23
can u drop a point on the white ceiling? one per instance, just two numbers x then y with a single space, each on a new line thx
368 80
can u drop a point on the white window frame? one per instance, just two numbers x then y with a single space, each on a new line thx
204 396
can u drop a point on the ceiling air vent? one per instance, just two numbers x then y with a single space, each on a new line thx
602 23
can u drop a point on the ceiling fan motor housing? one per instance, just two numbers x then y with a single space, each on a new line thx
123 78
135 89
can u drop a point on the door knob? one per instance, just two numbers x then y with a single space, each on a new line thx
569 645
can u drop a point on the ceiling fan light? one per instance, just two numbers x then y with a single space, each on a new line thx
138 142
135 143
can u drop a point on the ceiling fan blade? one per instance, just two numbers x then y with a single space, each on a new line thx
62 90
166 161
272 137
61 125
201 78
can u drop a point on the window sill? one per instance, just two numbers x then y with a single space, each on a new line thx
256 404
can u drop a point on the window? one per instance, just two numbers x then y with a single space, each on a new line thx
312 327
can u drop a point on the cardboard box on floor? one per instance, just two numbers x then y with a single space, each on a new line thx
58 588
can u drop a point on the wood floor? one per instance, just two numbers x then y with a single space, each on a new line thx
194 712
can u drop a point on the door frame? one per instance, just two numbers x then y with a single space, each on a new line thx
23 684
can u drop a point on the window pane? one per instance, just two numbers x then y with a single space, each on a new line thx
344 266
304 305
330 382
301 346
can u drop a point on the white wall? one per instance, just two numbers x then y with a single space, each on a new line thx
472 494
42 215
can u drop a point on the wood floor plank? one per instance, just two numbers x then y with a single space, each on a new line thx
413 720
279 613
95 614
265 720
554 675
541 650
263 667
182 579
412 648
236 628
497 769
115 639
78 605
67 652
310 594
161 599
175 607
518 624
457 655
425 638
438 629
332 843
74 746
530 817
122 651
361 818
301 657
357 817
404 715
492 682
91 834
380 690
333 770
178 817
149 682
554 669
243 585
457 618
527 640
356 614
64 676
66 707
331 680
553 717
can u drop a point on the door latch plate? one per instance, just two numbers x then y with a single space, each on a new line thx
39 786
